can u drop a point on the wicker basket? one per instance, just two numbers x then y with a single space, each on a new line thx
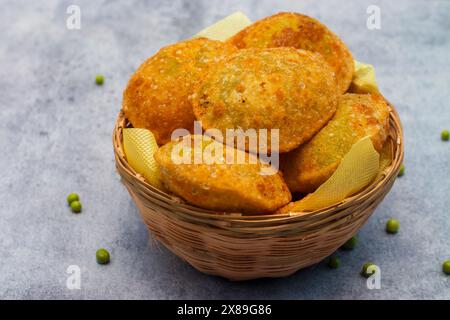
241 247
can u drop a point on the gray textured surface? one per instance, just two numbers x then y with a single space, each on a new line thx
56 138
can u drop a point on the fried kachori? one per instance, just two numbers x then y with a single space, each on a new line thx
302 32
156 97
277 88
357 116
213 182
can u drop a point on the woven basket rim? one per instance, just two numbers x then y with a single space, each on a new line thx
191 213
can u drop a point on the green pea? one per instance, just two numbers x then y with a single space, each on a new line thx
392 226
72 197
364 272
75 206
334 262
446 267
102 256
99 79
350 244
445 135
402 171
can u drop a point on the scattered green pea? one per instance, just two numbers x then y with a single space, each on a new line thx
99 79
402 171
350 244
334 262
72 197
446 267
392 226
445 135
75 206
102 256
364 272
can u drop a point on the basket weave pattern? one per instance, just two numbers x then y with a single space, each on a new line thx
240 247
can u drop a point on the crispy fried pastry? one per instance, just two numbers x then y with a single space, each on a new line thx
217 183
302 32
156 97
278 88
357 116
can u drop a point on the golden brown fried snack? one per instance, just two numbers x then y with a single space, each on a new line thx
357 116
220 185
156 97
279 88
302 32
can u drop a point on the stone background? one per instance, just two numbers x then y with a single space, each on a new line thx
56 139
